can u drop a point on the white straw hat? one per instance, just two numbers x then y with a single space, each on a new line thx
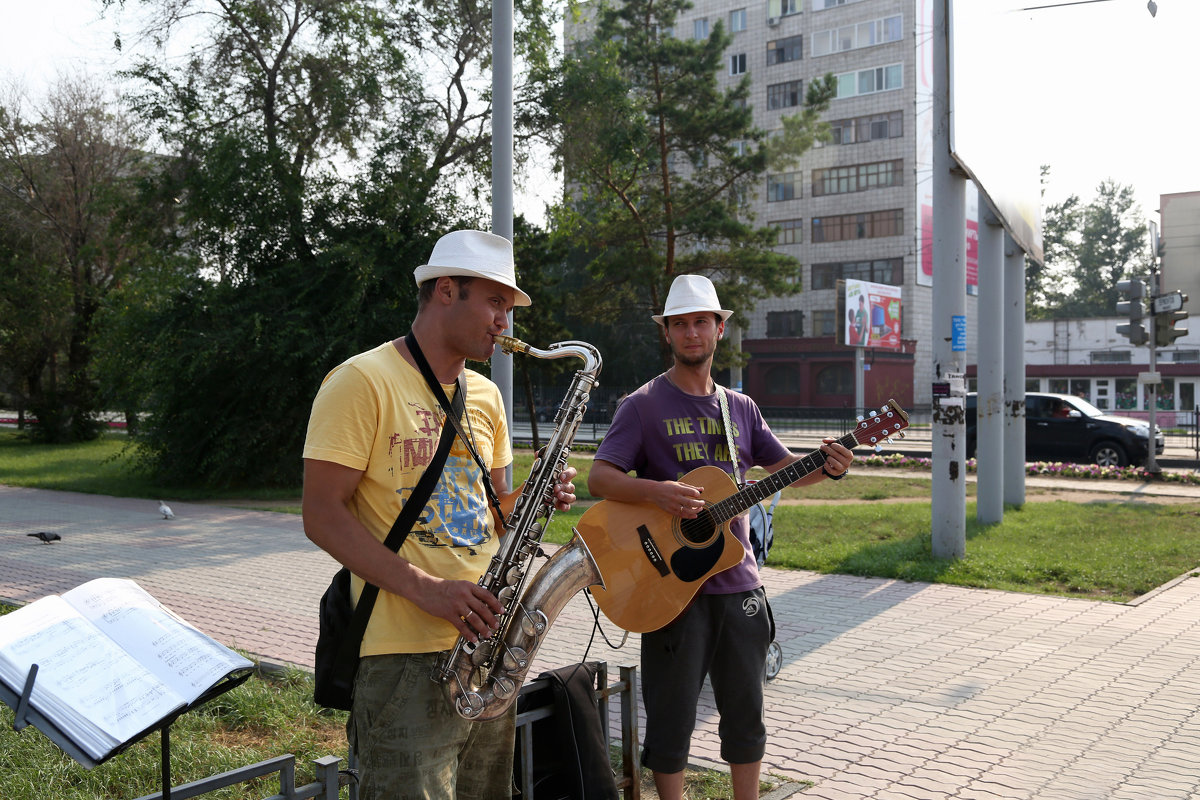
689 294
476 254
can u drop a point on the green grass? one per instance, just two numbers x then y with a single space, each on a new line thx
1101 550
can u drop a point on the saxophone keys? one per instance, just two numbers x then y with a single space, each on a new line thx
469 705
515 658
534 624
503 688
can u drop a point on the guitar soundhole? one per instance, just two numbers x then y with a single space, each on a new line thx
698 530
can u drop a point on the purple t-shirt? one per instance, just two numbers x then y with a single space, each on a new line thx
660 432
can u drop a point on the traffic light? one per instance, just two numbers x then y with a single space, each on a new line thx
1169 308
1135 308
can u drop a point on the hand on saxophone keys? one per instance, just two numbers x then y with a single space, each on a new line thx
564 490
470 608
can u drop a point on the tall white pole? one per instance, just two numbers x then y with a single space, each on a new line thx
989 405
949 535
1014 372
502 170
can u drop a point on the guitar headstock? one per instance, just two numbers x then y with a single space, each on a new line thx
881 426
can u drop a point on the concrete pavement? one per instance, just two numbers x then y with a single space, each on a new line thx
888 689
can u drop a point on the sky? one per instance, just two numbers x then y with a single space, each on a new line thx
1108 90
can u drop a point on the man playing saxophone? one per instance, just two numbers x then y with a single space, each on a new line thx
375 424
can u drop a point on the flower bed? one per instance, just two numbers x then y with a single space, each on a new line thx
1052 469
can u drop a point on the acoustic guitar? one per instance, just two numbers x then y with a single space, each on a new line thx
653 563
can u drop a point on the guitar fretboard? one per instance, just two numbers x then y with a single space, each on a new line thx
739 501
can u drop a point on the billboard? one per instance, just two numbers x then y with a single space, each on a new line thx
924 167
992 135
872 315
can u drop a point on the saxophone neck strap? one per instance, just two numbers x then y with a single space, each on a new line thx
454 410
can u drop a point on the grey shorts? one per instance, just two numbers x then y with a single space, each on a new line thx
410 742
723 636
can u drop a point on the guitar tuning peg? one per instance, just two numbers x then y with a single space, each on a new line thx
874 413
878 448
900 435
859 418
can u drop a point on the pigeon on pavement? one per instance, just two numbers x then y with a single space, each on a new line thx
165 510
46 536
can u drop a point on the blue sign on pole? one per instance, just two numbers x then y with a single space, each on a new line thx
958 330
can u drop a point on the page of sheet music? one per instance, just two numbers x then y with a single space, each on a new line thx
83 677
183 657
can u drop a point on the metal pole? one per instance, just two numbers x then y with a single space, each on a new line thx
1014 373
860 378
1151 413
949 534
989 404
502 172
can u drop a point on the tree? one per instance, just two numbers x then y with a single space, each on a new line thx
1089 248
67 169
660 161
321 147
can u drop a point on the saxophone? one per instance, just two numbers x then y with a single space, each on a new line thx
483 679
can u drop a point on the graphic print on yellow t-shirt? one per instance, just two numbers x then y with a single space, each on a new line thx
455 516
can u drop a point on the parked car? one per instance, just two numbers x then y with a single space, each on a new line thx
1060 427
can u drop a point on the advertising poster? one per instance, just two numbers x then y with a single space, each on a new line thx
872 315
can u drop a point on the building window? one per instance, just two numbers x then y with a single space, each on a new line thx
781 8
1185 357
871 225
1126 393
781 51
857 177
823 323
868 128
783 186
737 64
870 81
880 270
821 5
784 95
835 379
852 37
700 28
790 230
784 324
737 20
1110 357
783 379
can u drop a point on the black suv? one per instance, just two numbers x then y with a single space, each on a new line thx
1059 427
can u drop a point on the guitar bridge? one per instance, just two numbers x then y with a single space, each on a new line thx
651 551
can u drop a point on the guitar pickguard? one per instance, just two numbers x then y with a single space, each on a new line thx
691 564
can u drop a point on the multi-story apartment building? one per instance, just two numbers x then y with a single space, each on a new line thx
854 208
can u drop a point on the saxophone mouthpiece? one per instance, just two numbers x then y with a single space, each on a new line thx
510 344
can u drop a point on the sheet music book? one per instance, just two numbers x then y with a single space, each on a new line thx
113 662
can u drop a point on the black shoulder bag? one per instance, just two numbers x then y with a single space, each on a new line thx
342 623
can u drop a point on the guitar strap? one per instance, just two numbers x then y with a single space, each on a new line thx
737 478
733 453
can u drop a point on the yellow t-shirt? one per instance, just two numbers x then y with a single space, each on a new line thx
376 413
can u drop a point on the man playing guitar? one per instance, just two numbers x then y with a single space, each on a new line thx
667 428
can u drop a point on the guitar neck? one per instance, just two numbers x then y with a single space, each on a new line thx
741 500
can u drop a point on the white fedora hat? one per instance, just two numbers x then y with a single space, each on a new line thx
689 294
476 254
